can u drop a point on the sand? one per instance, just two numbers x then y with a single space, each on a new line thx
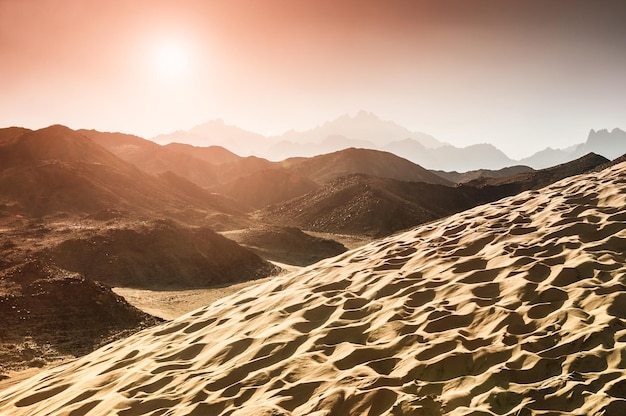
513 308
171 304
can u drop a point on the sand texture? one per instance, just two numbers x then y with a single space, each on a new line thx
513 308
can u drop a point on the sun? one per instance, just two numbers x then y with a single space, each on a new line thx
171 61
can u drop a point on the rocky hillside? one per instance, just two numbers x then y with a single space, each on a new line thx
49 313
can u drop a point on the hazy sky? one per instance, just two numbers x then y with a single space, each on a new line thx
523 74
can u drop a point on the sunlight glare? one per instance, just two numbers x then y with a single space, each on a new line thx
172 61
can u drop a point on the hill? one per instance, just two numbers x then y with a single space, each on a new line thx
215 155
325 168
218 133
155 159
464 177
49 314
505 309
288 245
204 166
540 178
364 126
448 157
156 254
56 170
266 187
363 204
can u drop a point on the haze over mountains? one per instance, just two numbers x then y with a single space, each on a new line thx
60 171
366 130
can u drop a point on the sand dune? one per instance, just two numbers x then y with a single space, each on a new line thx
513 308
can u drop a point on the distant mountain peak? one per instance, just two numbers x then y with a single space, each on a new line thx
363 114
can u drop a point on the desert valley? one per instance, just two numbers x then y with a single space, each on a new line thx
312 208
191 280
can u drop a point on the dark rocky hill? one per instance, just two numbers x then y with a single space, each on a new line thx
363 204
158 254
464 177
289 245
543 177
49 313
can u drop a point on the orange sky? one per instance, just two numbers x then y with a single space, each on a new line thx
520 74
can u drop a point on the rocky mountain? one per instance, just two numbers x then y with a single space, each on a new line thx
610 144
204 166
543 177
548 157
451 158
375 206
333 143
57 170
218 133
366 130
325 168
362 204
155 159
10 133
362 126
515 308
464 177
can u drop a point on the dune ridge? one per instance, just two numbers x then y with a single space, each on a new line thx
513 308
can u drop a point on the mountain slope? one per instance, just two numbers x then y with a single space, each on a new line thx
58 170
155 159
218 133
464 177
515 308
540 178
266 187
363 125
49 313
158 254
608 144
288 245
362 204
213 154
325 168
10 133
602 142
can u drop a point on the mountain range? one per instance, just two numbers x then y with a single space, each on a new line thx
366 130
59 171
80 206
380 206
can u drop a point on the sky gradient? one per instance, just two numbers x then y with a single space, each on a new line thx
522 75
